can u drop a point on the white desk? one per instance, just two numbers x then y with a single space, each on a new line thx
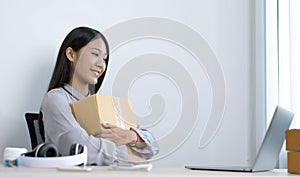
106 171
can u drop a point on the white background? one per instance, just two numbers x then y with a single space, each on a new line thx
31 33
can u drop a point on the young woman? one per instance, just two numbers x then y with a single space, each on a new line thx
79 71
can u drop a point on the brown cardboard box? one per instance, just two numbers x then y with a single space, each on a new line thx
96 109
292 140
90 112
293 159
293 145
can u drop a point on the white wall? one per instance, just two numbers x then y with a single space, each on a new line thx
189 66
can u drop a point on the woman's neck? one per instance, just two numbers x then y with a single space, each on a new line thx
83 89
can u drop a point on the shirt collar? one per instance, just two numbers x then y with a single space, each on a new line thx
74 92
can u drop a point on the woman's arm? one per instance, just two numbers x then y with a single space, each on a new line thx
62 129
150 145
140 140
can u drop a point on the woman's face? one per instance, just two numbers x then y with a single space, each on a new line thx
89 62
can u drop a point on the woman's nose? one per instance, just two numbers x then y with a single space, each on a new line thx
99 62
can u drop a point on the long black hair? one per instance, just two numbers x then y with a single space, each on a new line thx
76 39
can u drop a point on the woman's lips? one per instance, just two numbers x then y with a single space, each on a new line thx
96 72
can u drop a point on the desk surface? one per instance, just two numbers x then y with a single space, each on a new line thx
107 171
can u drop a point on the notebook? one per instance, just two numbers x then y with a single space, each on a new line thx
268 153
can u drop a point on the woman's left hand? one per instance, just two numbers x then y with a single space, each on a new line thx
115 134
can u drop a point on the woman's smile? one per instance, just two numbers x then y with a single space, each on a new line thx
97 72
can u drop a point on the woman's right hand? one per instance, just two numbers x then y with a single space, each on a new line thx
117 135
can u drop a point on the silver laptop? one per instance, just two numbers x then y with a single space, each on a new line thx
268 154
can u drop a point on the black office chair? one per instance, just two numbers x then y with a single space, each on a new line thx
33 128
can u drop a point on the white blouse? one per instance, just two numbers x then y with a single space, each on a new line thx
63 130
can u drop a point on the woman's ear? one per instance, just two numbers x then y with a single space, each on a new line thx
71 54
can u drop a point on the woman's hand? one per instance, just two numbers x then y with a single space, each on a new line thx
117 135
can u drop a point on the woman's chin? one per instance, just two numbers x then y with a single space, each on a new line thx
93 81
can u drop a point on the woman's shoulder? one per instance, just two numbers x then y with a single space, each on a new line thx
55 99
57 92
55 95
